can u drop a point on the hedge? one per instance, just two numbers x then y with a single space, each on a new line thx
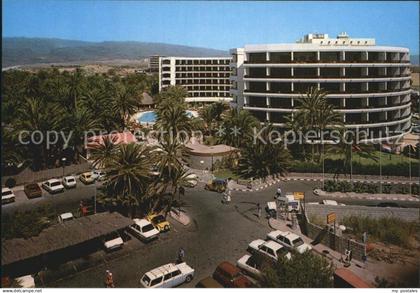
337 166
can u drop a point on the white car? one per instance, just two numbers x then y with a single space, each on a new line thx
98 175
192 180
144 229
53 186
250 264
69 182
65 217
269 248
167 276
113 241
289 240
7 195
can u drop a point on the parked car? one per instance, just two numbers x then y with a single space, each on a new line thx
113 241
7 195
289 240
87 178
167 276
269 248
389 205
32 190
208 282
53 186
159 222
230 276
65 217
69 182
192 180
98 175
218 185
251 264
144 229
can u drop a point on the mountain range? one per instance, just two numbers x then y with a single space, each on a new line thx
27 51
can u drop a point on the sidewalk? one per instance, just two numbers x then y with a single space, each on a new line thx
180 217
368 196
356 267
355 178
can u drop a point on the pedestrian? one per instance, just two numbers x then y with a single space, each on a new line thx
109 281
259 210
181 255
278 193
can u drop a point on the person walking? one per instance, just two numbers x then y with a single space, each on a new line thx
181 255
109 281
259 210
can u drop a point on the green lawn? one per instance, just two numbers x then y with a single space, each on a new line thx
226 173
385 158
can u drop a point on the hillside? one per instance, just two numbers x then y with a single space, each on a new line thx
20 51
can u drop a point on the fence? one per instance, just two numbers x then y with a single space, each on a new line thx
28 176
335 242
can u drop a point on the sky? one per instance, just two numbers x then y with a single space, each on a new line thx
212 24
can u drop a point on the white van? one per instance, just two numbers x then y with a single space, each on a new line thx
167 276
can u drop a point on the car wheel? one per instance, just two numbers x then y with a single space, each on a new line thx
188 278
166 228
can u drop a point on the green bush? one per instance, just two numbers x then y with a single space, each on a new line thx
388 229
337 166
10 182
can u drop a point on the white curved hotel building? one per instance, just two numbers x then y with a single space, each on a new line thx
368 84
206 79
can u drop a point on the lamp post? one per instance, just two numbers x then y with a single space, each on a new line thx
63 163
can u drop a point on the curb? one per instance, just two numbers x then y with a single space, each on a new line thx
258 188
177 218
359 196
354 180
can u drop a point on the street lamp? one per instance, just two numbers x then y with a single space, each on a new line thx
63 163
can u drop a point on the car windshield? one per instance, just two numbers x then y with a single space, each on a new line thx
70 180
281 251
148 228
55 183
32 187
146 280
158 219
88 176
6 193
111 236
297 242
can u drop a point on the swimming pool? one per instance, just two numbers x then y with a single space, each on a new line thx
150 117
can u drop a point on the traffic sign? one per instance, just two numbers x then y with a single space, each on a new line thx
331 217
299 195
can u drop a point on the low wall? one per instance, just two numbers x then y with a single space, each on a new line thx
335 242
28 176
321 211
202 162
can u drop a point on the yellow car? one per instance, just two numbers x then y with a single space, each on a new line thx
159 222
87 178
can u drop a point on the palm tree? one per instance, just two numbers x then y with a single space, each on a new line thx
75 88
125 104
264 157
79 123
174 120
102 154
314 113
129 175
238 127
37 116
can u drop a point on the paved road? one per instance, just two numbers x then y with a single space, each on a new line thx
218 232
69 199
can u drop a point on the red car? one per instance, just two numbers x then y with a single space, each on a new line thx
32 190
230 276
